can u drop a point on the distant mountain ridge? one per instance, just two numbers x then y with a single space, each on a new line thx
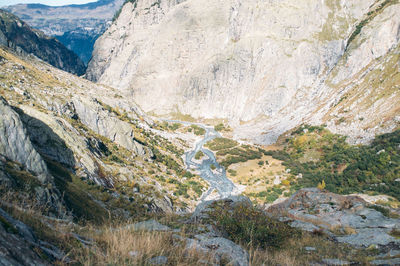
18 36
76 26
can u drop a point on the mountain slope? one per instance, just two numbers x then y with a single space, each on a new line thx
265 66
82 133
76 26
17 35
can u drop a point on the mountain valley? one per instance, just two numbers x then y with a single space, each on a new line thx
203 133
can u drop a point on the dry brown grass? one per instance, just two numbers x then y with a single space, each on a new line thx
294 252
116 244
126 247
257 178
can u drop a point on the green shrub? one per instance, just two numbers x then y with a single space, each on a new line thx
175 126
232 172
248 225
218 144
199 155
272 197
199 131
383 210
219 127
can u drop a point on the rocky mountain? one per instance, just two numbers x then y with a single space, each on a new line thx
61 128
76 26
20 37
266 66
87 177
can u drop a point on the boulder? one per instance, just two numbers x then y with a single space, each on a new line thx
201 211
160 260
349 218
220 248
150 225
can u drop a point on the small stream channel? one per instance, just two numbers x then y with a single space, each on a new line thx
216 178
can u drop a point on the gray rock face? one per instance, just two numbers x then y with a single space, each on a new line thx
395 261
15 251
23 230
313 209
369 236
334 262
18 242
46 141
95 117
267 66
220 248
160 260
16 145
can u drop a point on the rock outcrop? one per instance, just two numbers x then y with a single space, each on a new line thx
20 246
349 218
20 37
92 114
220 248
16 145
267 66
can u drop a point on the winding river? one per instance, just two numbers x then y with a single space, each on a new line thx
216 178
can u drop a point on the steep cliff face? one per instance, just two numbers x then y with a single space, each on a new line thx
16 145
267 66
18 36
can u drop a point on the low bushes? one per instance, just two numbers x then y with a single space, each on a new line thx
218 144
248 225
341 167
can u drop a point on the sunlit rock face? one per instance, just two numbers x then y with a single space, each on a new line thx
266 66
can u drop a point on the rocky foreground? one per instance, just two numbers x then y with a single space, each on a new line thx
335 218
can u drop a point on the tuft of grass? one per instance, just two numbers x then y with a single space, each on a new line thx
250 226
9 227
122 246
75 194
395 233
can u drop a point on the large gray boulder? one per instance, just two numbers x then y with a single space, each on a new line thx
349 218
220 249
16 145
